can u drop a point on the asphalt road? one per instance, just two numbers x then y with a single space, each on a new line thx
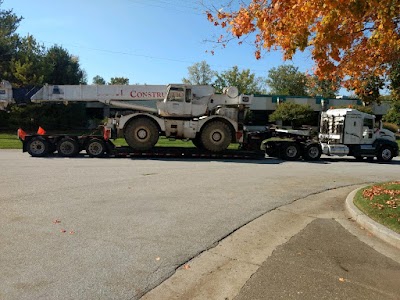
85 228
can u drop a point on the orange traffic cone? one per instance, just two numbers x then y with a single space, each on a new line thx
41 131
21 134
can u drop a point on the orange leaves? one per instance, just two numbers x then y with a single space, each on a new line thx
348 38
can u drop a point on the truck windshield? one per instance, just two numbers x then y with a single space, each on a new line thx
176 94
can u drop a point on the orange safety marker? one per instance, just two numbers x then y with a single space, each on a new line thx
41 131
21 134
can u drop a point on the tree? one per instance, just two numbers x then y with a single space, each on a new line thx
200 74
62 67
119 81
245 81
27 66
349 40
297 114
369 90
9 40
393 115
287 80
324 88
98 80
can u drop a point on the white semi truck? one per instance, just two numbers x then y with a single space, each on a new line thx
212 121
342 132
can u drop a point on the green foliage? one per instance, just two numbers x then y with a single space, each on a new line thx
390 126
62 67
369 90
245 81
119 81
394 77
200 73
287 80
98 80
297 114
49 116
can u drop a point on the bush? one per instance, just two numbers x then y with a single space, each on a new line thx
51 116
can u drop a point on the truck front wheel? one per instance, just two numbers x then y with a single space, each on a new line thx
216 136
141 134
385 154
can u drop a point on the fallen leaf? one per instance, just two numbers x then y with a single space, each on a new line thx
341 279
63 230
56 221
186 267
71 232
158 258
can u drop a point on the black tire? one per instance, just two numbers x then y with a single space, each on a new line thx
216 136
141 134
197 142
385 154
359 158
38 147
312 152
95 148
290 151
67 147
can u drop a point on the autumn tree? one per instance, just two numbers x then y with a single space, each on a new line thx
348 40
98 80
245 81
369 89
199 73
119 81
324 88
287 80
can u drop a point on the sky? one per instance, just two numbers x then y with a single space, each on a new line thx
147 41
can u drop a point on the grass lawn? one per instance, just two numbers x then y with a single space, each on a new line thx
381 202
11 141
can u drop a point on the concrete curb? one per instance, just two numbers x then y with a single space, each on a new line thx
375 228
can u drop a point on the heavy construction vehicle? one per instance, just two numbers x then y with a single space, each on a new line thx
211 121
342 132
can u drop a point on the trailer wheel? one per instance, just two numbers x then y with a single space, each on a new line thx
67 147
290 151
312 152
385 154
141 134
216 136
95 148
38 147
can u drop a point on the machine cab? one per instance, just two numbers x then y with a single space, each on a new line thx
185 101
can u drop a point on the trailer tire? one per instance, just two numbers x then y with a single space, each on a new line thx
67 147
95 148
312 152
141 134
290 151
385 154
38 147
216 136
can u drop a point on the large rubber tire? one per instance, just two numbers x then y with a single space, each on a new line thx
216 136
141 134
38 147
385 154
312 152
290 151
197 142
67 147
95 148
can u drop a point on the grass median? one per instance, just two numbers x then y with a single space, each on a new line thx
11 141
381 202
